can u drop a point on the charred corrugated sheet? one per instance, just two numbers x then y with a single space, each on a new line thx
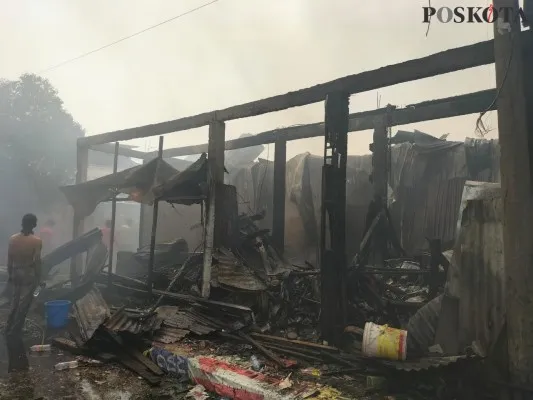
238 277
188 321
442 206
122 321
475 159
184 320
429 194
90 312
422 327
169 334
478 276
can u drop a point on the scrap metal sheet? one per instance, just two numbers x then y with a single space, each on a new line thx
90 312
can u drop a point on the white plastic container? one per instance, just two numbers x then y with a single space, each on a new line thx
41 348
66 365
380 341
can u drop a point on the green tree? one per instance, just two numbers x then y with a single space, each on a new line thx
36 130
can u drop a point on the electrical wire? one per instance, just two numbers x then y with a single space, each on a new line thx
481 130
125 38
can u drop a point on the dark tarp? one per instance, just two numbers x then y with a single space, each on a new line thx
186 187
137 182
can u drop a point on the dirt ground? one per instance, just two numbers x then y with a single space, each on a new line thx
108 382
96 383
42 381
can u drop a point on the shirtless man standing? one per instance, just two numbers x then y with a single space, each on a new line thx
24 268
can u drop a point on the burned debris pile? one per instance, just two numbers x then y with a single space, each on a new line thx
259 302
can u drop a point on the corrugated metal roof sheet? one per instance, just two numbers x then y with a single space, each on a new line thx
122 321
185 320
90 312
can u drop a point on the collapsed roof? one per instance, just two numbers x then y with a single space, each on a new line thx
143 183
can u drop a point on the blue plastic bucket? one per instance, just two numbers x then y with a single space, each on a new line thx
57 313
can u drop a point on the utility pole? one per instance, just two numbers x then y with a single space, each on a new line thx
517 193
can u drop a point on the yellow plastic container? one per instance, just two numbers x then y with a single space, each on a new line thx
380 341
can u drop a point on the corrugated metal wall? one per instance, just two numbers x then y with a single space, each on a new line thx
427 186
477 275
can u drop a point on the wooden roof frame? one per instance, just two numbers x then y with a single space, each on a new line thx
452 60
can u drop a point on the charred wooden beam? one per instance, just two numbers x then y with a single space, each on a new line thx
82 161
333 217
425 111
155 216
516 160
216 182
380 181
278 210
444 62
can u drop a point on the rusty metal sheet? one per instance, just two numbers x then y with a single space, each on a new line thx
90 312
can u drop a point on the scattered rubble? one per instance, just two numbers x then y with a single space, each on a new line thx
257 335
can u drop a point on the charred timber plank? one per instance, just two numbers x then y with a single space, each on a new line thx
339 360
270 354
192 299
452 60
425 111
393 271
295 342
293 353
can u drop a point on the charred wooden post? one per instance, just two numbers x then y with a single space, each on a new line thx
213 230
154 225
228 223
278 211
380 180
515 166
142 218
82 165
113 223
333 217
435 252
528 78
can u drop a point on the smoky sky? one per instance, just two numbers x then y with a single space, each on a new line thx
232 52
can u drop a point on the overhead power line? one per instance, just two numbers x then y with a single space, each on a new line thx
126 37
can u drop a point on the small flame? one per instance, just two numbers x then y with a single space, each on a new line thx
136 195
